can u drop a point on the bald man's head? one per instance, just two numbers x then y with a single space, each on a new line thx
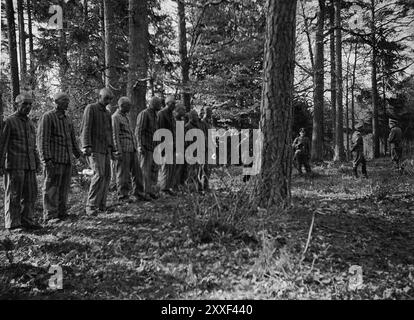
105 96
170 102
179 111
124 104
62 101
24 103
193 115
155 103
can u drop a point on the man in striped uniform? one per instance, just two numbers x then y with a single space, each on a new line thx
97 145
57 146
144 133
19 158
127 165
166 121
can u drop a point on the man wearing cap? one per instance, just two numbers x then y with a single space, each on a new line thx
127 164
147 123
301 148
19 161
166 122
395 140
97 145
57 147
357 149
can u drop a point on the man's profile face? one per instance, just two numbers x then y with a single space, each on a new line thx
209 114
25 106
106 98
179 113
125 107
62 104
171 104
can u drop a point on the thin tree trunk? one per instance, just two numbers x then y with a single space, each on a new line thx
31 46
138 57
14 66
384 96
333 71
375 97
1 111
274 185
347 106
102 26
185 66
339 132
111 61
22 40
318 98
353 88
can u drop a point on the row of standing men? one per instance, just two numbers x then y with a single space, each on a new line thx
104 138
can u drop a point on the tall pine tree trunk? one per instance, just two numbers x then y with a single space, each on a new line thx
102 27
138 57
22 41
318 98
375 97
185 66
353 88
111 56
333 68
339 132
31 46
14 65
1 111
347 106
274 185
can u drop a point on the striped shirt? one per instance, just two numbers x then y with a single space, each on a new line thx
18 149
122 133
97 129
56 138
145 129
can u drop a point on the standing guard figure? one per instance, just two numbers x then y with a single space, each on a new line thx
358 152
395 141
301 148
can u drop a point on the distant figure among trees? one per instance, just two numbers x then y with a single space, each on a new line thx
395 141
358 151
301 149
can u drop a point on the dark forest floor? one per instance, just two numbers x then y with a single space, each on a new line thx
214 247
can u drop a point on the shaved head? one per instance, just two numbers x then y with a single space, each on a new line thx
24 97
124 105
105 96
123 100
193 115
155 103
179 111
106 92
169 99
179 107
60 96
24 103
